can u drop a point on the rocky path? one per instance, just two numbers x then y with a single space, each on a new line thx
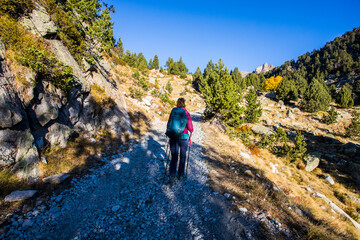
127 199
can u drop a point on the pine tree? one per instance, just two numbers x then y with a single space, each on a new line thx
197 78
344 98
182 67
150 64
141 62
221 95
155 64
353 130
119 47
253 107
237 78
316 97
287 90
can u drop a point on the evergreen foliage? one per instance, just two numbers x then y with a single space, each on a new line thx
353 130
338 59
220 93
31 52
176 68
15 8
197 79
317 97
344 98
168 87
331 116
156 62
119 48
253 107
237 78
287 90
141 63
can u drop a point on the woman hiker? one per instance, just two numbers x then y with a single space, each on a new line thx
179 142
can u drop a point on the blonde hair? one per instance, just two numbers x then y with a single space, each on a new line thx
180 102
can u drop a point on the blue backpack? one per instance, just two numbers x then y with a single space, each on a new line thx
176 124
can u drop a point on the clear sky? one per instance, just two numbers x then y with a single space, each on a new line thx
245 34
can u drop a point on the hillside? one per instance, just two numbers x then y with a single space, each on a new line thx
82 132
338 63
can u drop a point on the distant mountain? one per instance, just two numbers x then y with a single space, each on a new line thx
264 68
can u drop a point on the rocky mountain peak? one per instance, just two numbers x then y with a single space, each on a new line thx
264 68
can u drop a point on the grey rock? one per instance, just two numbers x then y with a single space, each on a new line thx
262 130
27 151
20 195
40 22
291 115
329 179
2 51
48 109
312 161
56 179
10 110
59 134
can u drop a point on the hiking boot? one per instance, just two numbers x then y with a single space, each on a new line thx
171 181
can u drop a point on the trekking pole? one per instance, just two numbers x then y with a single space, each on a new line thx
187 161
167 157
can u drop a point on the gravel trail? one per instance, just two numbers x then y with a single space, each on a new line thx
127 199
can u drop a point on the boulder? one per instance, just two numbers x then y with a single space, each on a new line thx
262 130
290 114
56 179
312 161
351 149
40 22
354 169
27 151
20 195
329 179
59 134
10 109
48 109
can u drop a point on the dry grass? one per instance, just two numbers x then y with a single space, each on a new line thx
258 193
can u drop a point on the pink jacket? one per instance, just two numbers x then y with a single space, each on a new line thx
189 125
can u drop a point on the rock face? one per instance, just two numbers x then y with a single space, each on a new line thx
264 68
39 22
48 116
20 195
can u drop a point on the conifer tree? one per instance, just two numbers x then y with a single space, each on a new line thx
150 64
237 78
155 63
119 47
182 67
287 90
353 130
253 107
344 98
221 95
197 78
141 62
316 97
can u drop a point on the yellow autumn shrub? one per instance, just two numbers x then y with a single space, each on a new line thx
272 83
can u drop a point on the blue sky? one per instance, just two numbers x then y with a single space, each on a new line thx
245 34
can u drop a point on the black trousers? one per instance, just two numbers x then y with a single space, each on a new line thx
175 146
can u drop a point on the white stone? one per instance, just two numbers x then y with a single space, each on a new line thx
56 179
329 179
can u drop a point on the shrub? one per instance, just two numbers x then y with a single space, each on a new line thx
253 107
101 98
32 52
136 93
344 98
316 97
182 75
168 87
331 116
16 8
143 84
353 130
136 75
272 83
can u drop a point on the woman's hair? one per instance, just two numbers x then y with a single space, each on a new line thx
180 102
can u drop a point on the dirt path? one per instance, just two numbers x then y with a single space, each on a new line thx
126 199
